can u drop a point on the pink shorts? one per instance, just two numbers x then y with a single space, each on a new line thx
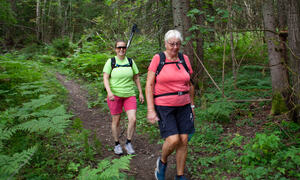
116 106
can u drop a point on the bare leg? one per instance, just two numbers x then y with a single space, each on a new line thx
169 146
115 126
131 114
181 153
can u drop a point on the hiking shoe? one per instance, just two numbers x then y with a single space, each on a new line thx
129 148
118 150
160 170
180 178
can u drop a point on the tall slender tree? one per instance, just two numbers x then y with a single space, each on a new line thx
38 20
294 45
182 22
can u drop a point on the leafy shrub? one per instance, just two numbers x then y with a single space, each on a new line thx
87 65
265 157
61 47
47 59
219 111
30 52
208 134
261 150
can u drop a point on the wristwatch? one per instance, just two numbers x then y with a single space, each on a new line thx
192 106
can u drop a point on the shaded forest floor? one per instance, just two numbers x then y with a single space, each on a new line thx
98 122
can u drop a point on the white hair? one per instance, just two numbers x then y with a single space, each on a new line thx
173 34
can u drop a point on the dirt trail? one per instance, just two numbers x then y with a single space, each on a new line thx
143 164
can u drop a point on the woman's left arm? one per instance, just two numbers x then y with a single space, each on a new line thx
136 79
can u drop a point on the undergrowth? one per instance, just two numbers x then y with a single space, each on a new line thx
38 140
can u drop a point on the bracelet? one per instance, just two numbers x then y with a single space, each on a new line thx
192 106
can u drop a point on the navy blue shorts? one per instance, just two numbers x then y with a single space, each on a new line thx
175 120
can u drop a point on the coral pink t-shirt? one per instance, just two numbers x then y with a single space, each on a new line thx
171 79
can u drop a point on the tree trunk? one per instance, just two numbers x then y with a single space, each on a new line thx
183 23
60 18
282 14
43 21
177 15
280 84
294 44
38 20
198 69
230 27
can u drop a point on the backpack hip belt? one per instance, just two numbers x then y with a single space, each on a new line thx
179 93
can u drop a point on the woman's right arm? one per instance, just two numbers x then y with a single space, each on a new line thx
110 95
151 114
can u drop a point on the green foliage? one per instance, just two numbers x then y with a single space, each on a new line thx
10 165
49 59
29 115
248 50
30 52
6 13
261 150
142 44
61 48
106 169
208 133
266 156
219 111
87 65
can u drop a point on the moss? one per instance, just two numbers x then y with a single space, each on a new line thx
278 104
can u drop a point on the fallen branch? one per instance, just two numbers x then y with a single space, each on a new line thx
206 69
249 100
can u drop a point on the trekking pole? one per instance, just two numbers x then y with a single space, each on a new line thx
133 30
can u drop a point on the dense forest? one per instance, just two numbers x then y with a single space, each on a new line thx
246 60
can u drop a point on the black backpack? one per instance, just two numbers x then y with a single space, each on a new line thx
161 64
114 65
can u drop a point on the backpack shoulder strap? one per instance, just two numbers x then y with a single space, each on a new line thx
130 62
113 63
182 61
162 59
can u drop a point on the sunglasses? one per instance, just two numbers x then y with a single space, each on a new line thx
121 47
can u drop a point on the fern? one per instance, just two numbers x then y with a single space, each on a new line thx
106 170
52 121
122 163
36 103
53 125
218 111
55 120
9 166
5 134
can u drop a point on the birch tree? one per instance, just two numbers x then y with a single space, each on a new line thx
38 20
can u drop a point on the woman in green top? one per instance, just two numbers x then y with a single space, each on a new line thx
119 78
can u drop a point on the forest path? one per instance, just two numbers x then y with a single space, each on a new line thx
143 163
